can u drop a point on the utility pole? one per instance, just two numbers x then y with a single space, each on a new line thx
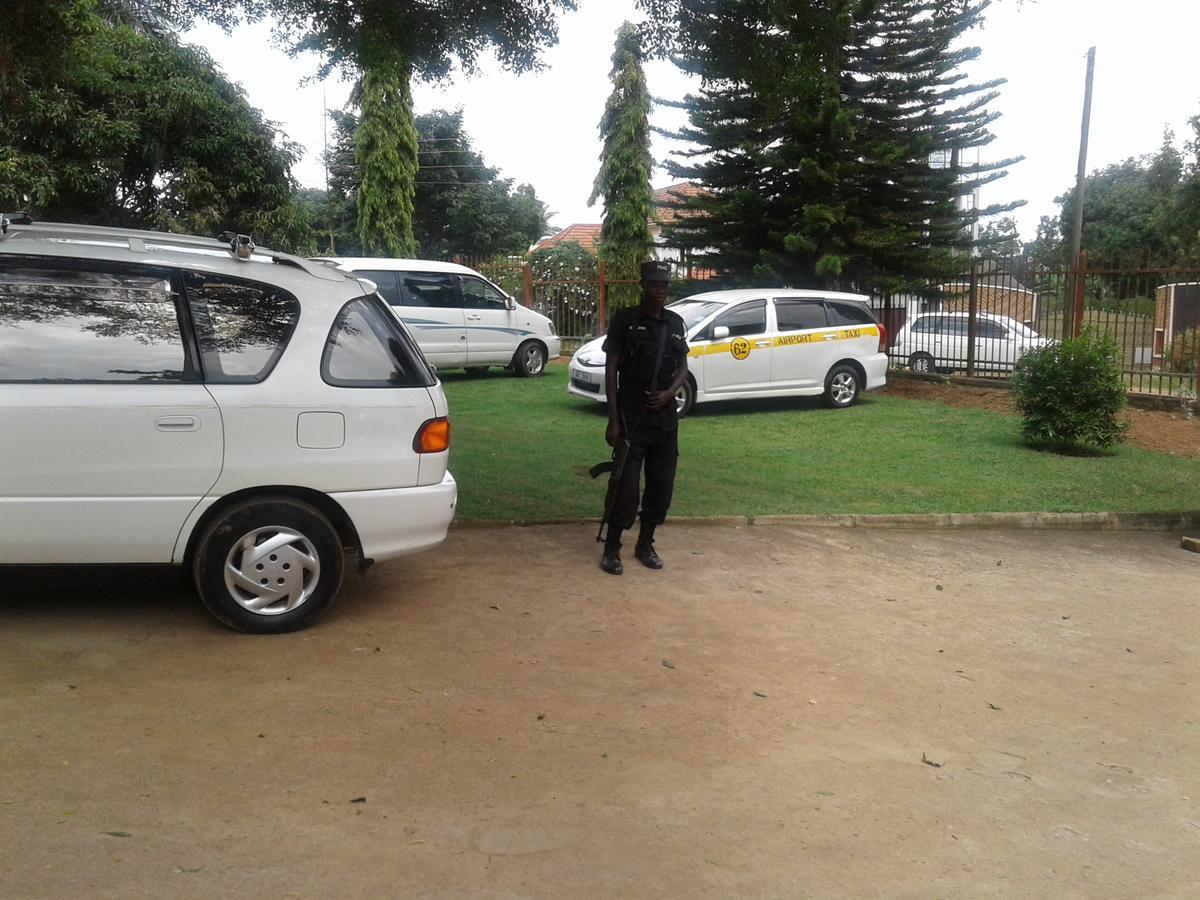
1081 172
325 158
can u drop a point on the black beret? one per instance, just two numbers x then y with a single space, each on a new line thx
656 271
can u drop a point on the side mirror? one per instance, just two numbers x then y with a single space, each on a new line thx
720 332
510 302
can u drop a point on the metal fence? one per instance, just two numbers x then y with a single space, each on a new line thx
978 322
982 321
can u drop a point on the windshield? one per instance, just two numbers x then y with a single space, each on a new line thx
695 311
1023 331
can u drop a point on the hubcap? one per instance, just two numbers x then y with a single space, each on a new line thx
533 361
680 399
842 387
272 570
920 365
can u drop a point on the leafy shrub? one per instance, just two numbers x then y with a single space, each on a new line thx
1183 352
1070 393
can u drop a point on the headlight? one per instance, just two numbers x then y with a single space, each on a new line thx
553 333
589 359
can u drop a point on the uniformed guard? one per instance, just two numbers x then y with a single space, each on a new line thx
646 364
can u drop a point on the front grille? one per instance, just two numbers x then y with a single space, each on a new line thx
585 385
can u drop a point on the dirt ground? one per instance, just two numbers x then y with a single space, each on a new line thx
1167 432
782 713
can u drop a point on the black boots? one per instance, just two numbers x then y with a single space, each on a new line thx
610 562
644 551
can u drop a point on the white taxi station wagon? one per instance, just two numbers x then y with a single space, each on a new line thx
459 318
771 342
249 415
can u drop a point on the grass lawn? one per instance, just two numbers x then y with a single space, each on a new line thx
521 449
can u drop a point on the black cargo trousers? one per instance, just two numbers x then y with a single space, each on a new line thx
656 449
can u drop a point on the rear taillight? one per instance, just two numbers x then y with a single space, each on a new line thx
433 436
883 338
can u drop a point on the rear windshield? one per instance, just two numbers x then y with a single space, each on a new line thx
368 347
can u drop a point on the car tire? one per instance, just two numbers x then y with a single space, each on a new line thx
685 398
264 592
921 364
842 386
476 371
530 359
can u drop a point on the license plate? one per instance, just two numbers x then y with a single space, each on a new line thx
581 375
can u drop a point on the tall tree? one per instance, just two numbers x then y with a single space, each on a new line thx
386 43
1000 237
461 204
625 161
385 150
831 137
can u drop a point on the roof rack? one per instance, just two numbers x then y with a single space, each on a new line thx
242 246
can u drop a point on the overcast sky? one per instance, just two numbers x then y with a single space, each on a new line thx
541 127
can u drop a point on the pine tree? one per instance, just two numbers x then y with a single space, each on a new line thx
829 137
385 153
625 161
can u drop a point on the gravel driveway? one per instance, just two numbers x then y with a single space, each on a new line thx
833 712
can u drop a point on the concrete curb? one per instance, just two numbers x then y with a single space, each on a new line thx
1086 521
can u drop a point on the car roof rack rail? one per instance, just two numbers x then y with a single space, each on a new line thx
138 240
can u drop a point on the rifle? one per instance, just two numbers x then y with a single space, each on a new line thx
616 466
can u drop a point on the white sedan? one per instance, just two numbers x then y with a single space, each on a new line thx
771 342
934 342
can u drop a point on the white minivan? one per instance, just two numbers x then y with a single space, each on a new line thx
460 319
248 415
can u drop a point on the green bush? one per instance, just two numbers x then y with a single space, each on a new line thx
1070 393
1183 352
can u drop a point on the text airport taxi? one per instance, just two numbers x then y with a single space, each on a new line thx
756 343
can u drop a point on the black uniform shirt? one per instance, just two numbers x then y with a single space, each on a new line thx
634 335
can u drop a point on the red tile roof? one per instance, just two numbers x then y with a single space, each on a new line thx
674 193
587 236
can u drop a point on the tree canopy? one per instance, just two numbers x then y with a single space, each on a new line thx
461 204
832 139
1145 209
124 126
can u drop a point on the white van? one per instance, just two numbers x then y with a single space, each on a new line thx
459 318
248 415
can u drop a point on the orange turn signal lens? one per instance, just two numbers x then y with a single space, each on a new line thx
433 436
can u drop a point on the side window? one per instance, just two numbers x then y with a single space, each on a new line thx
985 328
480 295
952 326
366 348
430 289
745 320
925 325
843 314
797 315
241 327
389 290
64 325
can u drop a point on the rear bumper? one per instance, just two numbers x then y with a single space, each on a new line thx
876 367
401 521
